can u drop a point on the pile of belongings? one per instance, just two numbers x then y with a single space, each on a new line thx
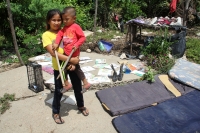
161 21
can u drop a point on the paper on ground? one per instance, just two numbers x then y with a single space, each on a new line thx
71 100
45 63
50 101
104 72
99 66
50 81
88 75
109 66
41 57
87 68
99 79
100 61
84 58
85 61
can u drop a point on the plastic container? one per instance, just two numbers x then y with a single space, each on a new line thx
105 46
101 46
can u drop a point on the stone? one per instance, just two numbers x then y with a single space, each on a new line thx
88 50
198 34
113 40
117 37
100 31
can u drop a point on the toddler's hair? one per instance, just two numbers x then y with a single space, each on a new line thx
50 14
69 9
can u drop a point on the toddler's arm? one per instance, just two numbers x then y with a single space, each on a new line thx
58 39
81 37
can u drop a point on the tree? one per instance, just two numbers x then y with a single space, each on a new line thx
13 32
95 16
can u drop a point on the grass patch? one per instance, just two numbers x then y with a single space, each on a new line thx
105 35
193 50
5 102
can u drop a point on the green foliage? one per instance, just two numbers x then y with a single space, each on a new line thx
4 102
2 39
192 50
161 63
149 75
33 47
156 53
29 18
160 44
83 17
131 10
154 8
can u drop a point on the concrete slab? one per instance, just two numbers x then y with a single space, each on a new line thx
33 114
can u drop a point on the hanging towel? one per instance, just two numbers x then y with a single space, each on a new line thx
173 6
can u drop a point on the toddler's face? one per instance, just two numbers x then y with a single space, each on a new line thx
68 19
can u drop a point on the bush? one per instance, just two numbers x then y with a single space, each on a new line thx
193 50
156 53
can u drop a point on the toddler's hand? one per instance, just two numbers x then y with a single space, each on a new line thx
74 48
54 46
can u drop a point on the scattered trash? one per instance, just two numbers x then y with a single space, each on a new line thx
122 56
131 67
126 56
138 73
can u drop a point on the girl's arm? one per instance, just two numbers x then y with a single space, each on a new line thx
73 60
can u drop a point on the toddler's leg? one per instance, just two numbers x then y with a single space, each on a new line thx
67 86
81 75
86 84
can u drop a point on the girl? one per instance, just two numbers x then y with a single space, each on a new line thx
53 21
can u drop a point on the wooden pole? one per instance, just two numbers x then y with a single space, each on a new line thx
185 13
95 16
13 32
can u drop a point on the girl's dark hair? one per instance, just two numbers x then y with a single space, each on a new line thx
50 14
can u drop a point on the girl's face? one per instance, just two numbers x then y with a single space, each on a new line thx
55 23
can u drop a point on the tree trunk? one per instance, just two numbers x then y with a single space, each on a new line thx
185 11
95 16
13 32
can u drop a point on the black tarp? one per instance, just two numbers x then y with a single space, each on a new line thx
138 95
